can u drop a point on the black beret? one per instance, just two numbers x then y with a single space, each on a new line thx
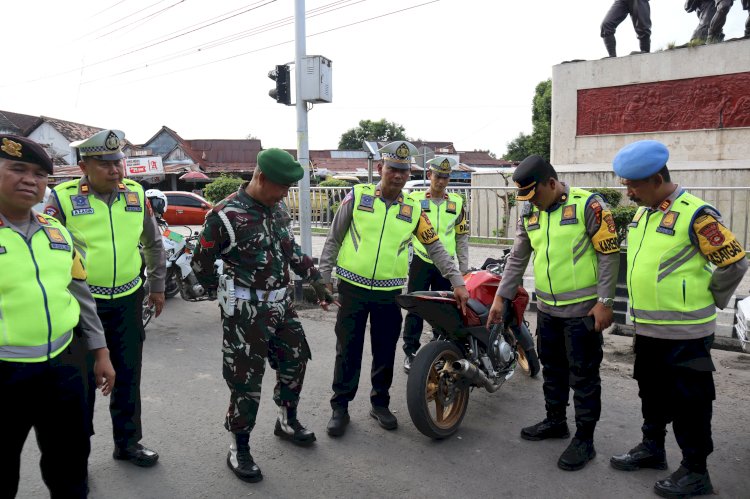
16 148
533 169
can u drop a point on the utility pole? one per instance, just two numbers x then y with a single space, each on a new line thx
303 151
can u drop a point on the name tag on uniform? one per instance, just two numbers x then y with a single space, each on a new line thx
425 204
56 239
569 215
81 205
132 201
366 203
667 223
451 207
404 213
533 222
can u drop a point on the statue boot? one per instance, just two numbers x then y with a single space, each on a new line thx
611 45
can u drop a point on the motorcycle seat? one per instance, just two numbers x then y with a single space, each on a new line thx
478 308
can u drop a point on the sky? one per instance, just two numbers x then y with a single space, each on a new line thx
462 71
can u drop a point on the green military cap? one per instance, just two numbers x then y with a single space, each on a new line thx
25 150
105 145
279 166
531 170
442 165
398 154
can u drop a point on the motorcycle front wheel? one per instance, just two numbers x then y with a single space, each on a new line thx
172 283
436 399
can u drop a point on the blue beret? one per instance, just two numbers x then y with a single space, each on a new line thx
640 159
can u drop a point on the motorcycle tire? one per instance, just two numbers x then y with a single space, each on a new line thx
171 284
427 392
147 310
528 361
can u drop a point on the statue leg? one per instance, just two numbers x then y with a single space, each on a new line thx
616 15
717 23
641 16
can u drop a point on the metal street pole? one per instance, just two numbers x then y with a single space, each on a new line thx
303 152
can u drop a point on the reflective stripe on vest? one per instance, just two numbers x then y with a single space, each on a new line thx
565 263
37 311
374 253
109 234
443 222
668 277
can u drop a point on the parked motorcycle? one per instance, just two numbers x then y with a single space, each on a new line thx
465 354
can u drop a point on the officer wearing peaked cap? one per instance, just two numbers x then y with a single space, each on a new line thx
43 296
673 239
571 234
447 214
368 245
109 216
250 230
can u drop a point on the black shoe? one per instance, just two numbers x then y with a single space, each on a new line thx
337 423
578 453
546 429
684 483
136 454
641 456
241 462
385 418
294 431
407 362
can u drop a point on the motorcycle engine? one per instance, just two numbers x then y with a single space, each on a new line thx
501 351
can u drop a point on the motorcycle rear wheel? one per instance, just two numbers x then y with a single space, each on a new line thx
437 404
528 361
172 284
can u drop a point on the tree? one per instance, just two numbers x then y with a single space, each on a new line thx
381 131
541 120
221 188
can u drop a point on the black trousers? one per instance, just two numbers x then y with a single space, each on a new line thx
676 385
423 276
50 397
570 351
357 304
123 328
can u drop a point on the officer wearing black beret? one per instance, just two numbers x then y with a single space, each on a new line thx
683 263
571 234
43 296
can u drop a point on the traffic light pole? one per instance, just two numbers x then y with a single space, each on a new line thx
303 152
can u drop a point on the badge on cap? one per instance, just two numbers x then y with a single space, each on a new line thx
12 148
402 151
112 142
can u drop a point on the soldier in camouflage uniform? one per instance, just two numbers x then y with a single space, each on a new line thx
250 231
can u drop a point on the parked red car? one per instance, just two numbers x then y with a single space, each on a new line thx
185 208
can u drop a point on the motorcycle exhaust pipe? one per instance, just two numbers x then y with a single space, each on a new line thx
469 371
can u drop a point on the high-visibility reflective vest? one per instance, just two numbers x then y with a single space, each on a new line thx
565 264
443 217
37 312
374 253
668 277
110 235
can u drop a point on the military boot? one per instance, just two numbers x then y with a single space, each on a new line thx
339 420
645 44
684 483
646 454
549 428
578 453
240 461
288 427
611 45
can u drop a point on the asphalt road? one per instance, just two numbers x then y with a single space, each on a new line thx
184 400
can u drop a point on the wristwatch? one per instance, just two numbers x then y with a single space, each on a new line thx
607 302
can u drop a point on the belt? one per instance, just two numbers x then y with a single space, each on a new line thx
272 295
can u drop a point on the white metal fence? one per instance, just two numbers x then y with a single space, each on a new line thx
493 215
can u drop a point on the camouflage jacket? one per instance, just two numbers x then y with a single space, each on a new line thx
265 246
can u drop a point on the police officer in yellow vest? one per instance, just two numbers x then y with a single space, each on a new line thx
368 243
682 264
447 214
108 217
43 296
571 233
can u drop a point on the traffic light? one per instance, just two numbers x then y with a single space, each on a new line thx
282 92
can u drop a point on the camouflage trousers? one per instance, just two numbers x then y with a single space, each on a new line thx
260 330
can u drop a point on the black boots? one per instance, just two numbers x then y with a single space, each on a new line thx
385 417
408 359
684 483
337 424
644 455
546 429
240 461
136 454
578 453
288 427
645 44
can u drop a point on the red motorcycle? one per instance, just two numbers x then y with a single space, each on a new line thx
465 353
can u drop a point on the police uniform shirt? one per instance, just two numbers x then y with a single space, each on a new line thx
718 245
340 226
462 240
153 249
89 322
607 270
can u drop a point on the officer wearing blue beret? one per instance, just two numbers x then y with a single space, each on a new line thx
43 297
673 238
